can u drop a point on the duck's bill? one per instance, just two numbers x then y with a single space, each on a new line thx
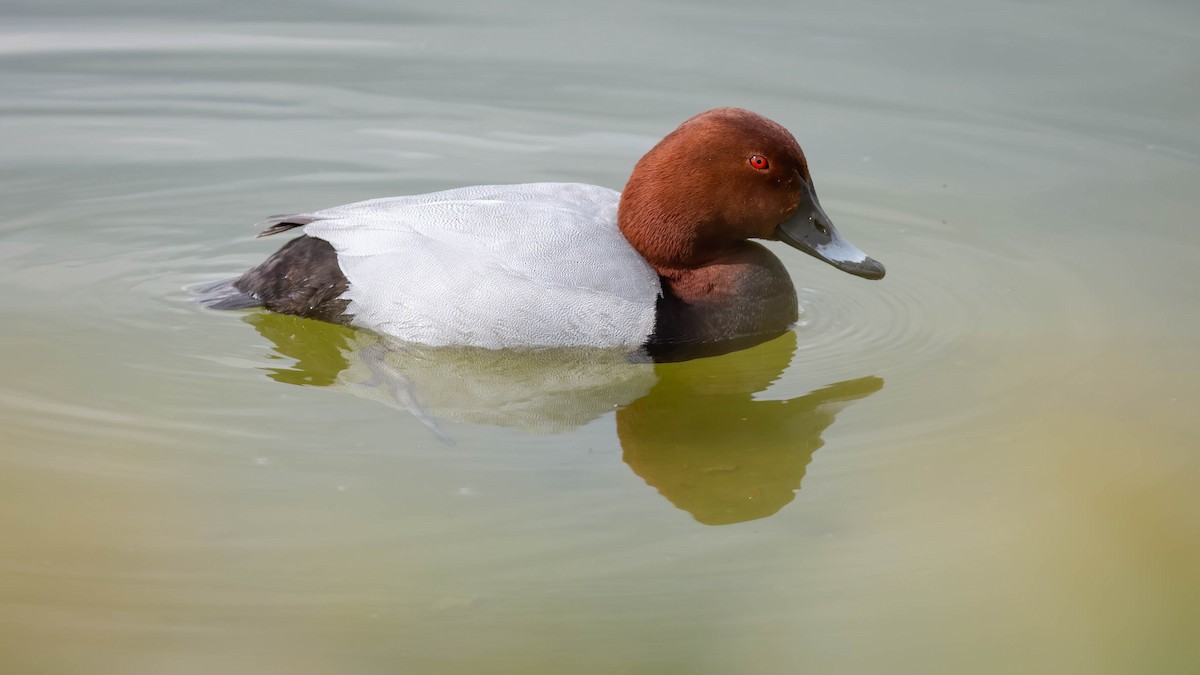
811 231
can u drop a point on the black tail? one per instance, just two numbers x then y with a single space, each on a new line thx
224 295
301 278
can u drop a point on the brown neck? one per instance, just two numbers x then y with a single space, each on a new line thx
671 217
672 250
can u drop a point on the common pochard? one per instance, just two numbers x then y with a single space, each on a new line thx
666 263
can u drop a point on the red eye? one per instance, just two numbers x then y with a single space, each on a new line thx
759 162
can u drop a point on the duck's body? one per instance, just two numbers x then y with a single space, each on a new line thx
567 264
492 266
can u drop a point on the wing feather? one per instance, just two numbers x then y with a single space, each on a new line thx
492 266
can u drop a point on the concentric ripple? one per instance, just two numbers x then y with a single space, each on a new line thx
953 319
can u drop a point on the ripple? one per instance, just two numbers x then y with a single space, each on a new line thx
40 43
950 321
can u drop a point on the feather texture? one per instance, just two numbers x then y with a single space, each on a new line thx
491 266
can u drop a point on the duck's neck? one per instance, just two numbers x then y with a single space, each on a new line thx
743 294
717 286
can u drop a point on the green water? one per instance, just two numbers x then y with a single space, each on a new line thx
985 463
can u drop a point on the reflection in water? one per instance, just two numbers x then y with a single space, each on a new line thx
702 440
538 391
692 430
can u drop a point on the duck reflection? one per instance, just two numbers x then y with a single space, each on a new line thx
692 430
539 391
704 441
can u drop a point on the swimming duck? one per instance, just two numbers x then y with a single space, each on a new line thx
668 262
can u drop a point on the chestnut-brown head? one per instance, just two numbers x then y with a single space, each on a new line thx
722 177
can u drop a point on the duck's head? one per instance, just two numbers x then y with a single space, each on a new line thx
722 177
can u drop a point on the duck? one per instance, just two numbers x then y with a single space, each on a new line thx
668 263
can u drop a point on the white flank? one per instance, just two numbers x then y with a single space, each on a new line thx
494 266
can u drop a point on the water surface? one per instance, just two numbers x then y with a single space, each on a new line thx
983 463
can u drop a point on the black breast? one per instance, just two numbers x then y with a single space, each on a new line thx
756 303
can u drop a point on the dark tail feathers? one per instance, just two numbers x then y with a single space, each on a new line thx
224 295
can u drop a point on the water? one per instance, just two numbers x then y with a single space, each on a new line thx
983 463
